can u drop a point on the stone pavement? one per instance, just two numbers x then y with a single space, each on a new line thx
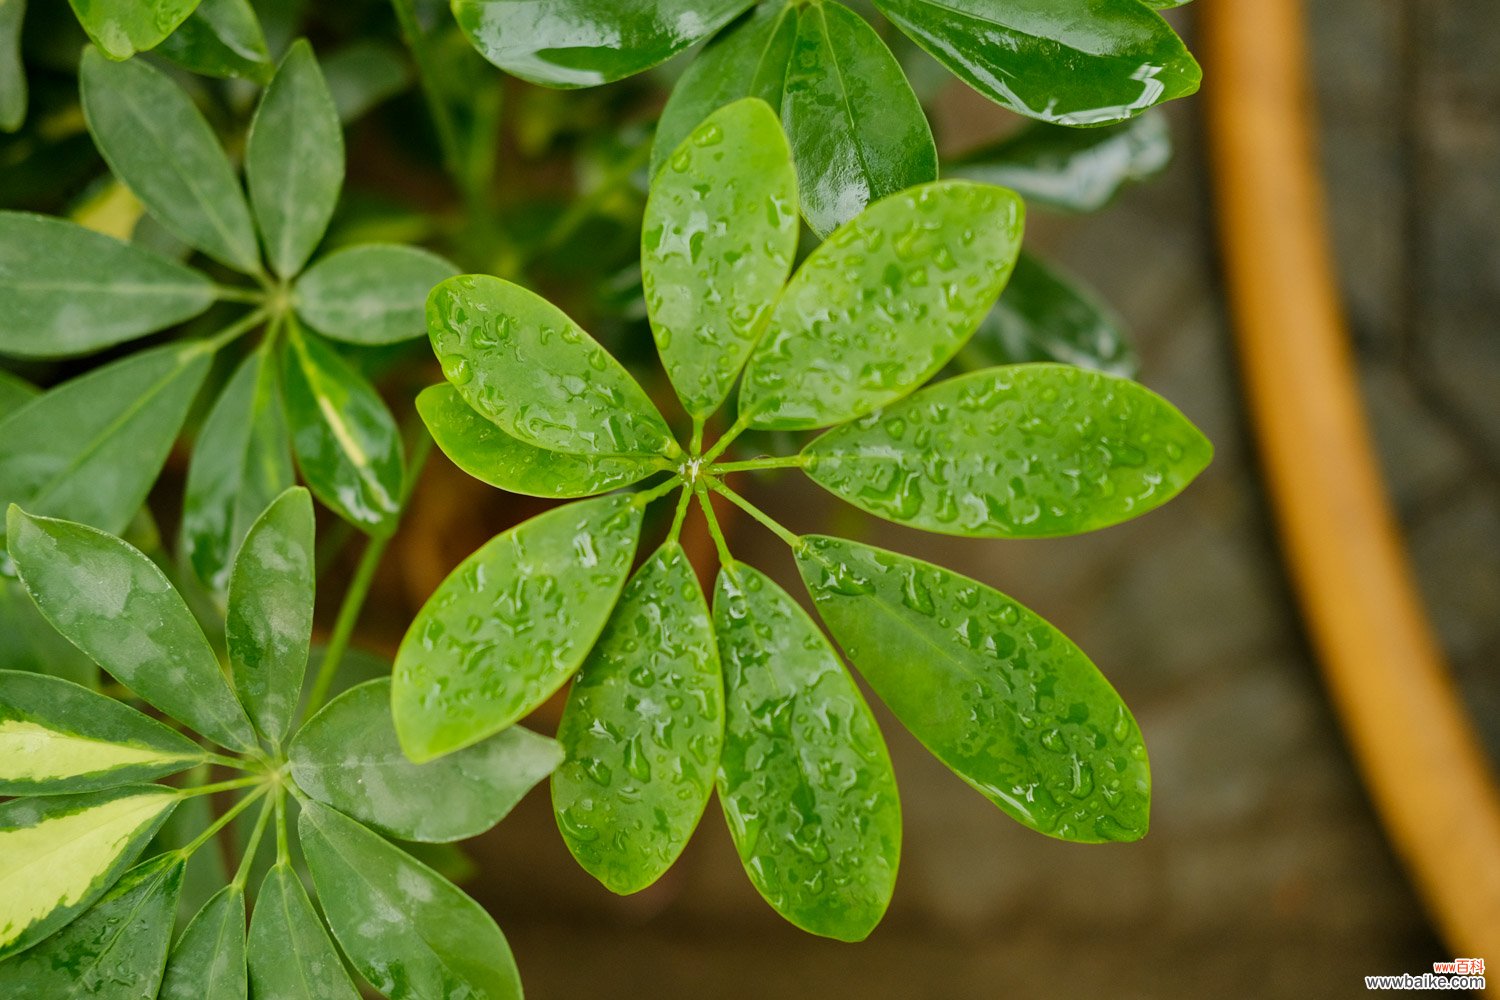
1265 874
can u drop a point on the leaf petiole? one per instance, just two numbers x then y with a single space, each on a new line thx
725 559
234 763
753 464
740 425
222 786
680 515
229 293
770 523
252 845
235 330
283 850
645 497
221 822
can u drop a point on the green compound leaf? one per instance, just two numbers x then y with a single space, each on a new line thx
1092 63
347 756
294 161
364 73
717 244
1023 451
121 28
222 38
58 737
15 392
60 853
89 449
66 290
28 643
583 43
409 931
269 623
12 73
208 961
241 462
747 60
159 145
519 361
992 690
117 606
1072 169
806 782
489 454
346 441
882 305
115 951
511 624
1043 316
373 294
857 131
291 956
643 729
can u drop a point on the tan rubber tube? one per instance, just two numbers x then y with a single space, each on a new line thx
1425 769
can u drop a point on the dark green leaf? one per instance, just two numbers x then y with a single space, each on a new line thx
346 441
241 461
805 781
269 623
67 290
59 853
519 361
58 737
717 244
12 73
882 305
208 962
857 131
124 27
487 453
410 932
1023 451
1001 697
159 145
364 73
119 608
372 294
15 392
115 951
747 60
294 161
511 624
222 38
1042 316
348 757
89 449
583 43
643 729
1073 169
29 642
1082 65
291 956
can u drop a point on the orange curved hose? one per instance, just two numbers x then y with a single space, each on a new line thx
1423 766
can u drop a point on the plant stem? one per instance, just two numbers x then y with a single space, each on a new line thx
725 559
442 120
234 330
750 465
740 425
579 211
680 515
359 588
229 293
765 519
223 786
283 851
252 846
221 822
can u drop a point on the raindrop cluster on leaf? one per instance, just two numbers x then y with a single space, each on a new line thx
671 701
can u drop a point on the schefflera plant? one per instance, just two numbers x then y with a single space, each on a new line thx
673 698
68 291
80 917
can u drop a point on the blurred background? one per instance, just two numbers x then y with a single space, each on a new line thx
1266 872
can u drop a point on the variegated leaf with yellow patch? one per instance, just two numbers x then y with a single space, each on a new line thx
56 736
